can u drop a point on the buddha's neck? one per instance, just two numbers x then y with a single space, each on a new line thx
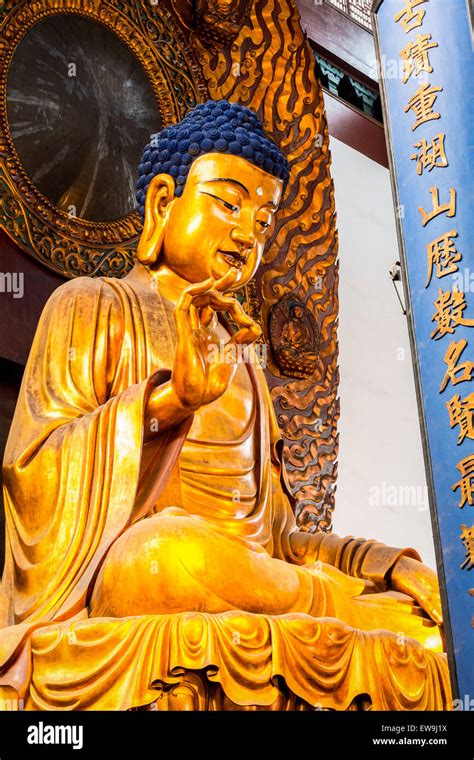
166 282
170 284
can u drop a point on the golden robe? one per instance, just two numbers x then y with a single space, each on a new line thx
85 498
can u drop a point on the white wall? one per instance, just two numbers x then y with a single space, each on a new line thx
381 491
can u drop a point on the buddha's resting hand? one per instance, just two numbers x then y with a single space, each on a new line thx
197 378
387 568
412 577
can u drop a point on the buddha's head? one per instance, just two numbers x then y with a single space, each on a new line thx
208 191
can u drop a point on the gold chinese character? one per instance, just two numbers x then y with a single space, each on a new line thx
467 537
451 357
448 315
415 56
461 413
407 15
449 208
430 154
442 254
422 104
466 484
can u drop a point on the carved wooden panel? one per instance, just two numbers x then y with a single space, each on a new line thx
270 67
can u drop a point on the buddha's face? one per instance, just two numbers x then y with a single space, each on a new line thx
221 220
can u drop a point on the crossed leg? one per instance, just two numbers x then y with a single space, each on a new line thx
177 562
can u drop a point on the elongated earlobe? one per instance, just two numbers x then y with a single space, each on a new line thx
160 195
149 248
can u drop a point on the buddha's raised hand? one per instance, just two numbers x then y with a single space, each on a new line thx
195 379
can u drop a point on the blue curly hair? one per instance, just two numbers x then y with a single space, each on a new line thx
215 126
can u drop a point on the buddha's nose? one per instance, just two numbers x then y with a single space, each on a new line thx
243 238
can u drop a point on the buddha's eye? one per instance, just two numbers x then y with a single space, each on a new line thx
263 225
228 205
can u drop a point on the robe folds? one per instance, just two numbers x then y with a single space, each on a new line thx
77 476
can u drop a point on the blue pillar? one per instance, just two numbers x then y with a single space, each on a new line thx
426 65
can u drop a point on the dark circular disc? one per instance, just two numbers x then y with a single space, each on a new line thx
80 109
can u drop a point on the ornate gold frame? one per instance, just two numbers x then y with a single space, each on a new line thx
66 244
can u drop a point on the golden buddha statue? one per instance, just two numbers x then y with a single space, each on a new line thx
152 553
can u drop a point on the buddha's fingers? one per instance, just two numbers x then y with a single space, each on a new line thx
194 317
240 316
186 318
198 287
225 303
205 316
227 281
215 299
429 599
198 303
250 331
230 304
420 582
247 335
430 605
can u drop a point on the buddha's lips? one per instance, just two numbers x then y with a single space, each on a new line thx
234 258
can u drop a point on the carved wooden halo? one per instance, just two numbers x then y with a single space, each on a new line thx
67 244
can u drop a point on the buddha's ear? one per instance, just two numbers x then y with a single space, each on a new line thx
159 196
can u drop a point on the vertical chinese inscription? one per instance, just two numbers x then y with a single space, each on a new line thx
443 253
